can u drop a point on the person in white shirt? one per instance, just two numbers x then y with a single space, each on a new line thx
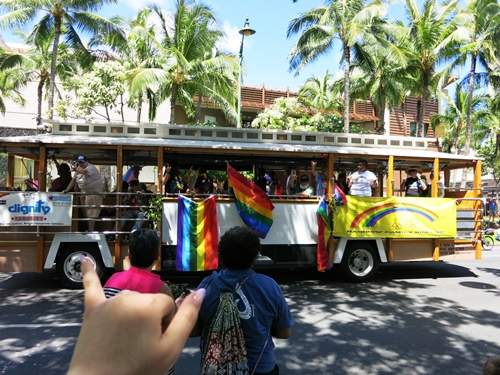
363 181
88 179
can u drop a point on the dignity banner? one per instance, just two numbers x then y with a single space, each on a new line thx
396 217
35 208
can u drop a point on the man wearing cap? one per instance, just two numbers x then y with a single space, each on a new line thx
414 184
88 179
304 190
135 203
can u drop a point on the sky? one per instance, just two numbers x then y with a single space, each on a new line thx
265 53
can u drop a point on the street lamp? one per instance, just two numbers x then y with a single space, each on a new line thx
246 31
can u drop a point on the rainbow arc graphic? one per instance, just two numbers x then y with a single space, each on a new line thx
370 217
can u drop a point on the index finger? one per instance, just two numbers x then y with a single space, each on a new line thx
91 283
177 333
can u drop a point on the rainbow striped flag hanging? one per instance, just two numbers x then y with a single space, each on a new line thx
324 233
197 235
252 203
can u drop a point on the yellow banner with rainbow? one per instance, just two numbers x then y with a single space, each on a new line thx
396 217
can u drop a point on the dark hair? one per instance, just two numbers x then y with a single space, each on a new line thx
364 162
492 366
144 246
134 182
64 172
238 248
174 168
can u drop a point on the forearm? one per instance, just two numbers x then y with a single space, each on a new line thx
71 185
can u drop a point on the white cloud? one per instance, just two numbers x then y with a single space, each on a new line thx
232 42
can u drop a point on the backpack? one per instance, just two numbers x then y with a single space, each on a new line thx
225 350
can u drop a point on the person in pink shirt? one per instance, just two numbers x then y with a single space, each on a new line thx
144 248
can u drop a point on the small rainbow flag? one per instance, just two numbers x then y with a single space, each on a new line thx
197 235
324 233
252 203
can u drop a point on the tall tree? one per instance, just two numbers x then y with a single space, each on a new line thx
430 41
378 75
10 82
479 36
349 21
35 62
318 94
454 119
133 45
58 18
186 64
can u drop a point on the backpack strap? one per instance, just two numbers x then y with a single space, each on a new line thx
268 333
245 279
262 352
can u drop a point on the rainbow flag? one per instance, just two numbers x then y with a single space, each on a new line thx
324 233
252 203
197 235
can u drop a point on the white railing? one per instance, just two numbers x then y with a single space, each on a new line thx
228 134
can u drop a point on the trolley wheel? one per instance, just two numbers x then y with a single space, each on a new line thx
69 268
360 261
488 242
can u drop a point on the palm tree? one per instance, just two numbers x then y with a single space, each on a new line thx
378 76
186 65
10 82
454 119
346 20
132 44
489 126
430 40
58 17
318 94
479 38
35 64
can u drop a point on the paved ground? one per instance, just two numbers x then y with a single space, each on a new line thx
415 318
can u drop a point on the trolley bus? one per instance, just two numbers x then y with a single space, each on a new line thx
30 242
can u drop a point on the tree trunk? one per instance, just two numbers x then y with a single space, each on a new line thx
121 107
419 106
347 87
173 98
425 97
139 110
52 83
468 126
405 120
39 94
381 113
198 109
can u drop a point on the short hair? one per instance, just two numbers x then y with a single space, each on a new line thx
364 162
492 366
144 247
238 248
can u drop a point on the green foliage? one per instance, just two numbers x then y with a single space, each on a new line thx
154 211
491 162
209 124
101 87
290 114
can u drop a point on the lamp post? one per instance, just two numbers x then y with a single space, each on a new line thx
246 31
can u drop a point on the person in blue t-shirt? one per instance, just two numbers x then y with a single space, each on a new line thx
264 312
321 180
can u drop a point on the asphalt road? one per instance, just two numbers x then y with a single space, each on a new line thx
415 318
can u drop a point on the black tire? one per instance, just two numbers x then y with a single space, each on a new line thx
360 262
488 243
69 267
